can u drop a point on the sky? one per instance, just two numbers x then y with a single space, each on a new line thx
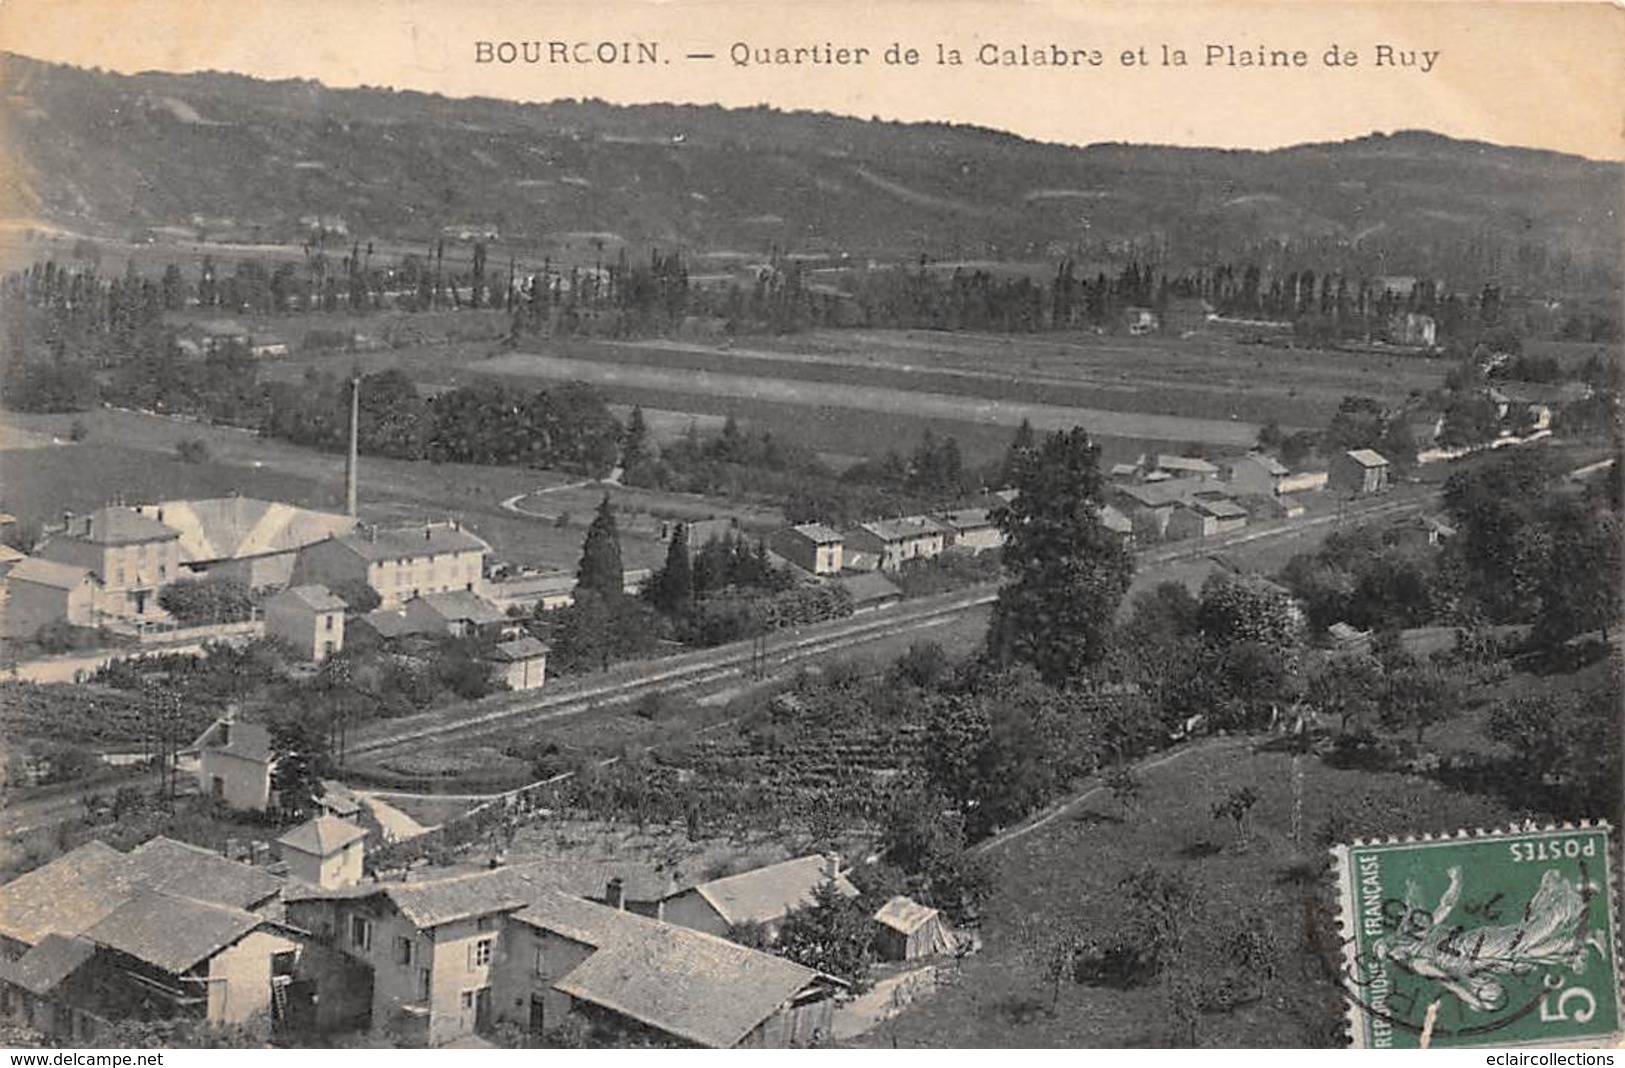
1542 75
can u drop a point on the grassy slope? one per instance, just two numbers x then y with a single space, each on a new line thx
1070 865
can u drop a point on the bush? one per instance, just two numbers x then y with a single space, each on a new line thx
192 450
207 600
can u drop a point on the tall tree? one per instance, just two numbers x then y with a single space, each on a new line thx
635 445
601 569
674 586
1066 572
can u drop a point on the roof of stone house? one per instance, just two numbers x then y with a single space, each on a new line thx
526 648
48 573
322 836
117 525
1367 457
172 933
869 586
402 543
912 526
904 914
1166 462
460 605
77 890
44 967
250 741
767 894
818 533
236 528
316 597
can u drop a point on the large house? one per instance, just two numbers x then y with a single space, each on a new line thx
131 556
1203 517
813 547
253 541
762 897
451 956
398 564
894 542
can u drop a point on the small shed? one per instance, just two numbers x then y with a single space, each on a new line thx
908 930
521 662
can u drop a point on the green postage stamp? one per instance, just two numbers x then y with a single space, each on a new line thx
1490 939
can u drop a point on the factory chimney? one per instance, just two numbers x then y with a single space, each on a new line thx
350 457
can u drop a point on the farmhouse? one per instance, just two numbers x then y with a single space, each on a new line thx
1203 518
453 954
896 541
1149 506
870 590
1359 472
813 547
234 764
1184 467
1255 474
398 564
41 592
165 931
252 541
908 930
521 663
130 555
764 896
971 530
309 618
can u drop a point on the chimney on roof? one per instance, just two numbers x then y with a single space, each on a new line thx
615 894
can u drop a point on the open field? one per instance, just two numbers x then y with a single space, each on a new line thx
1069 869
883 401
130 456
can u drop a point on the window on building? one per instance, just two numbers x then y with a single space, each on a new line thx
424 976
327 621
360 932
541 960
468 999
479 954
403 950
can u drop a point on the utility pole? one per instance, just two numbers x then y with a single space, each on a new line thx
352 457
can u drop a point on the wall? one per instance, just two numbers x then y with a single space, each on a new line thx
689 909
30 606
517 979
979 539
794 1026
247 782
1303 481
294 624
240 977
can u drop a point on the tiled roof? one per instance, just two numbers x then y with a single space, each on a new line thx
48 573
768 894
77 890
818 533
250 741
322 836
1162 494
43 968
905 914
686 983
869 586
65 896
968 518
235 528
1367 458
1185 463
173 867
519 649
1220 508
462 605
405 542
913 526
173 933
115 525
1113 519
317 598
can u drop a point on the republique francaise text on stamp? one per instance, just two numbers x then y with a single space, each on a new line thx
1495 938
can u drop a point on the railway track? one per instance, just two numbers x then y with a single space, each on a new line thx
744 660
